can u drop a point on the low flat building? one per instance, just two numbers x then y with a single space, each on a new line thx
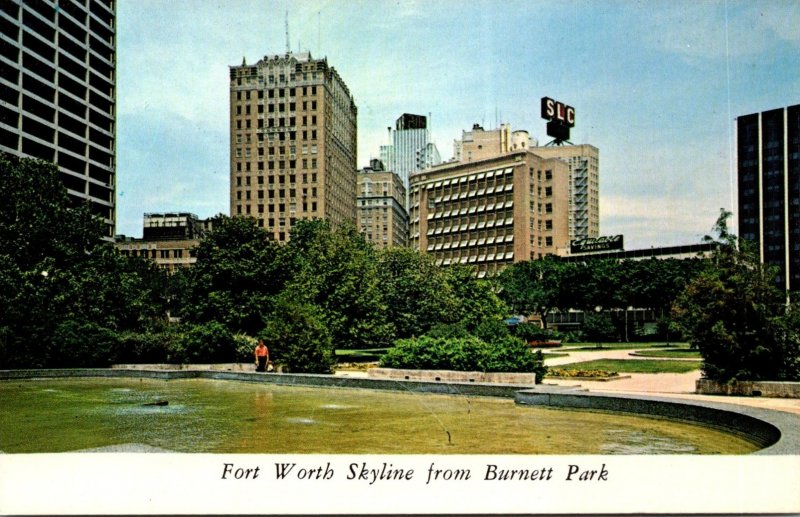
491 212
168 239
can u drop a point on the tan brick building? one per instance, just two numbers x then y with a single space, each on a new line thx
168 239
293 134
491 212
584 186
382 216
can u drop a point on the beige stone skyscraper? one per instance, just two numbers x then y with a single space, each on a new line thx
293 135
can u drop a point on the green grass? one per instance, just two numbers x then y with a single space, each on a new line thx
634 366
686 353
590 347
365 355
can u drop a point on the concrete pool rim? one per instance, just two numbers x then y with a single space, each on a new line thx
777 432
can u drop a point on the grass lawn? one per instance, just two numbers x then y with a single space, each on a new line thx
686 353
634 366
365 355
588 347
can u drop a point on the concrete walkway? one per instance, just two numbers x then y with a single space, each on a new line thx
675 385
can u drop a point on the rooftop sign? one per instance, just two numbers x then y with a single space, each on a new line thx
589 244
560 116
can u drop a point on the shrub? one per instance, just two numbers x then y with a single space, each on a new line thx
507 354
298 339
143 347
531 332
79 344
205 343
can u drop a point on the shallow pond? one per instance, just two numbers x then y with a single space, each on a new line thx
241 417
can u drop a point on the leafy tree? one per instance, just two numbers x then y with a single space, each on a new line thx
336 270
417 293
58 277
737 318
238 272
298 337
598 327
477 303
534 286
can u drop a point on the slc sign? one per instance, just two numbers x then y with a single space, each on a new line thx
560 116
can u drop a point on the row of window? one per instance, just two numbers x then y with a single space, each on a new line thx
282 179
275 92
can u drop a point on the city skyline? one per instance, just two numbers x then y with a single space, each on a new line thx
656 88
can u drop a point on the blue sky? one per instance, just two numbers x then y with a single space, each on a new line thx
656 86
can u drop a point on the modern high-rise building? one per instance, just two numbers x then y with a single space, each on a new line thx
583 161
58 93
768 162
293 134
411 149
382 216
491 212
584 186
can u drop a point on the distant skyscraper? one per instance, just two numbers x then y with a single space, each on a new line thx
381 205
58 93
768 161
293 134
411 149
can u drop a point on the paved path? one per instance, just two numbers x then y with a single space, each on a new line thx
674 385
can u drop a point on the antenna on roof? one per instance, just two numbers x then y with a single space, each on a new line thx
288 50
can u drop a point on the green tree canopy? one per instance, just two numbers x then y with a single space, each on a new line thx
59 278
239 270
737 318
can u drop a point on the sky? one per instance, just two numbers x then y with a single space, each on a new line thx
656 85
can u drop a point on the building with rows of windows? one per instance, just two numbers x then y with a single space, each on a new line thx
293 137
58 93
382 216
768 163
168 239
491 212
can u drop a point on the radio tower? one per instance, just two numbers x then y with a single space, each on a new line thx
287 32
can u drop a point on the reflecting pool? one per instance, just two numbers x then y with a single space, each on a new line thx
200 415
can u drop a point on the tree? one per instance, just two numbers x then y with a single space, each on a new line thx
737 318
416 291
298 337
534 286
336 271
58 278
477 302
239 270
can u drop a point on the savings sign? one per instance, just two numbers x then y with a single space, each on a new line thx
560 116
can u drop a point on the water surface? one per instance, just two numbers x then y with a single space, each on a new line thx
239 417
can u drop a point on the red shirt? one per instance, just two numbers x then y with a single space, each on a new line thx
262 351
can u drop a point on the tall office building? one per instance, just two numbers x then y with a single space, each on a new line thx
491 212
382 216
582 160
584 186
411 149
57 93
293 134
768 162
